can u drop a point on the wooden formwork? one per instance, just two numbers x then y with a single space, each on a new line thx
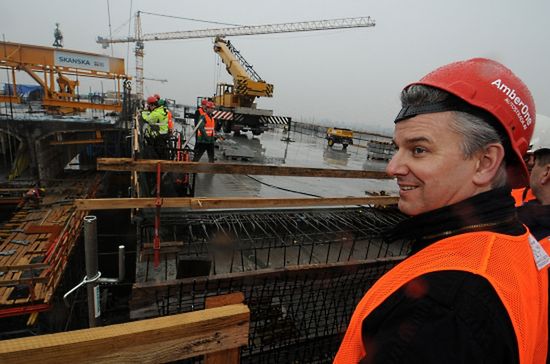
36 244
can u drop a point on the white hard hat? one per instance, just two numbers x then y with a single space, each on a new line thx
541 135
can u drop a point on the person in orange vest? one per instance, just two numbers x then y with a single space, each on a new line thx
163 104
535 213
525 194
474 287
541 141
206 134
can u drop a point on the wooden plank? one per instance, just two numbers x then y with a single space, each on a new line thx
230 355
150 165
157 340
224 300
13 282
24 267
229 202
76 142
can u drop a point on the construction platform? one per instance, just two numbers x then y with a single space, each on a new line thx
36 243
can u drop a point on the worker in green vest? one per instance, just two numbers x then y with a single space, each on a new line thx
156 127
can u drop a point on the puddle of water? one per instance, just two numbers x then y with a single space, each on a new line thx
304 151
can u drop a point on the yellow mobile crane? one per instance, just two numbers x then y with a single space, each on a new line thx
247 84
242 93
238 98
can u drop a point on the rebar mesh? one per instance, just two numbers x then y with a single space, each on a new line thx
302 272
298 315
249 241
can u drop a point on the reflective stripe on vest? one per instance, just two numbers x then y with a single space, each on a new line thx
209 124
507 262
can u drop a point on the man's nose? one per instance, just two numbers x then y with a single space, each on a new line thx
396 166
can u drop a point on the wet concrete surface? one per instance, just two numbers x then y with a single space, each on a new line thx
302 151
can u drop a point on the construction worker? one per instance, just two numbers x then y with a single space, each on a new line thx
474 288
156 127
34 195
536 212
205 137
525 195
162 103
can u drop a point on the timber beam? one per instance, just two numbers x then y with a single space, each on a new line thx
150 165
159 340
228 202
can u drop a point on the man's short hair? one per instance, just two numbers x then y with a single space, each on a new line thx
542 156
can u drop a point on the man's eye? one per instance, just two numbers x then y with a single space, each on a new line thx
418 150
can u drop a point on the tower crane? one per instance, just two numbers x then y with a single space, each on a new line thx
307 26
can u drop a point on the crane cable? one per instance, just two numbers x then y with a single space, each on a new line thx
129 30
110 29
192 19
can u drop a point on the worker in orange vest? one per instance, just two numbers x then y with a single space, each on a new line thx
474 288
163 104
535 213
206 134
540 137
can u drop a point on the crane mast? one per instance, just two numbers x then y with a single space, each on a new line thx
307 26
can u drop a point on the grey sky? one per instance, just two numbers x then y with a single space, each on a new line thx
346 77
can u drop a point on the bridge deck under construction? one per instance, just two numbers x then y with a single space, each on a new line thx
36 243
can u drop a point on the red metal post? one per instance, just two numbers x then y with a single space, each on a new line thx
156 238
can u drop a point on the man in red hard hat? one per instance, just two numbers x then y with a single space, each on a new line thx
474 288
156 127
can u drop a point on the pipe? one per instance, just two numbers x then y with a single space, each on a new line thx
90 252
121 263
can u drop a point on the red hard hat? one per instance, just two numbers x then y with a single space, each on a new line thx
157 96
204 102
152 100
492 87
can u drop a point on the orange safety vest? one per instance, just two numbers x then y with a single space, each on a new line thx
209 124
507 262
170 120
523 195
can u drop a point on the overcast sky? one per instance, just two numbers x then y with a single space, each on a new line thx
348 77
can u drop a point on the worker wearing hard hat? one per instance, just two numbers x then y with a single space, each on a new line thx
169 115
474 288
206 134
536 212
156 126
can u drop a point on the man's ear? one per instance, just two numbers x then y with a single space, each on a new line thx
545 178
488 164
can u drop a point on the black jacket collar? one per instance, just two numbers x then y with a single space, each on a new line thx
488 211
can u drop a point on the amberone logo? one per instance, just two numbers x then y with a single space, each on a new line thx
516 103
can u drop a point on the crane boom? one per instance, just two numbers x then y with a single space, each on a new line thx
307 26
